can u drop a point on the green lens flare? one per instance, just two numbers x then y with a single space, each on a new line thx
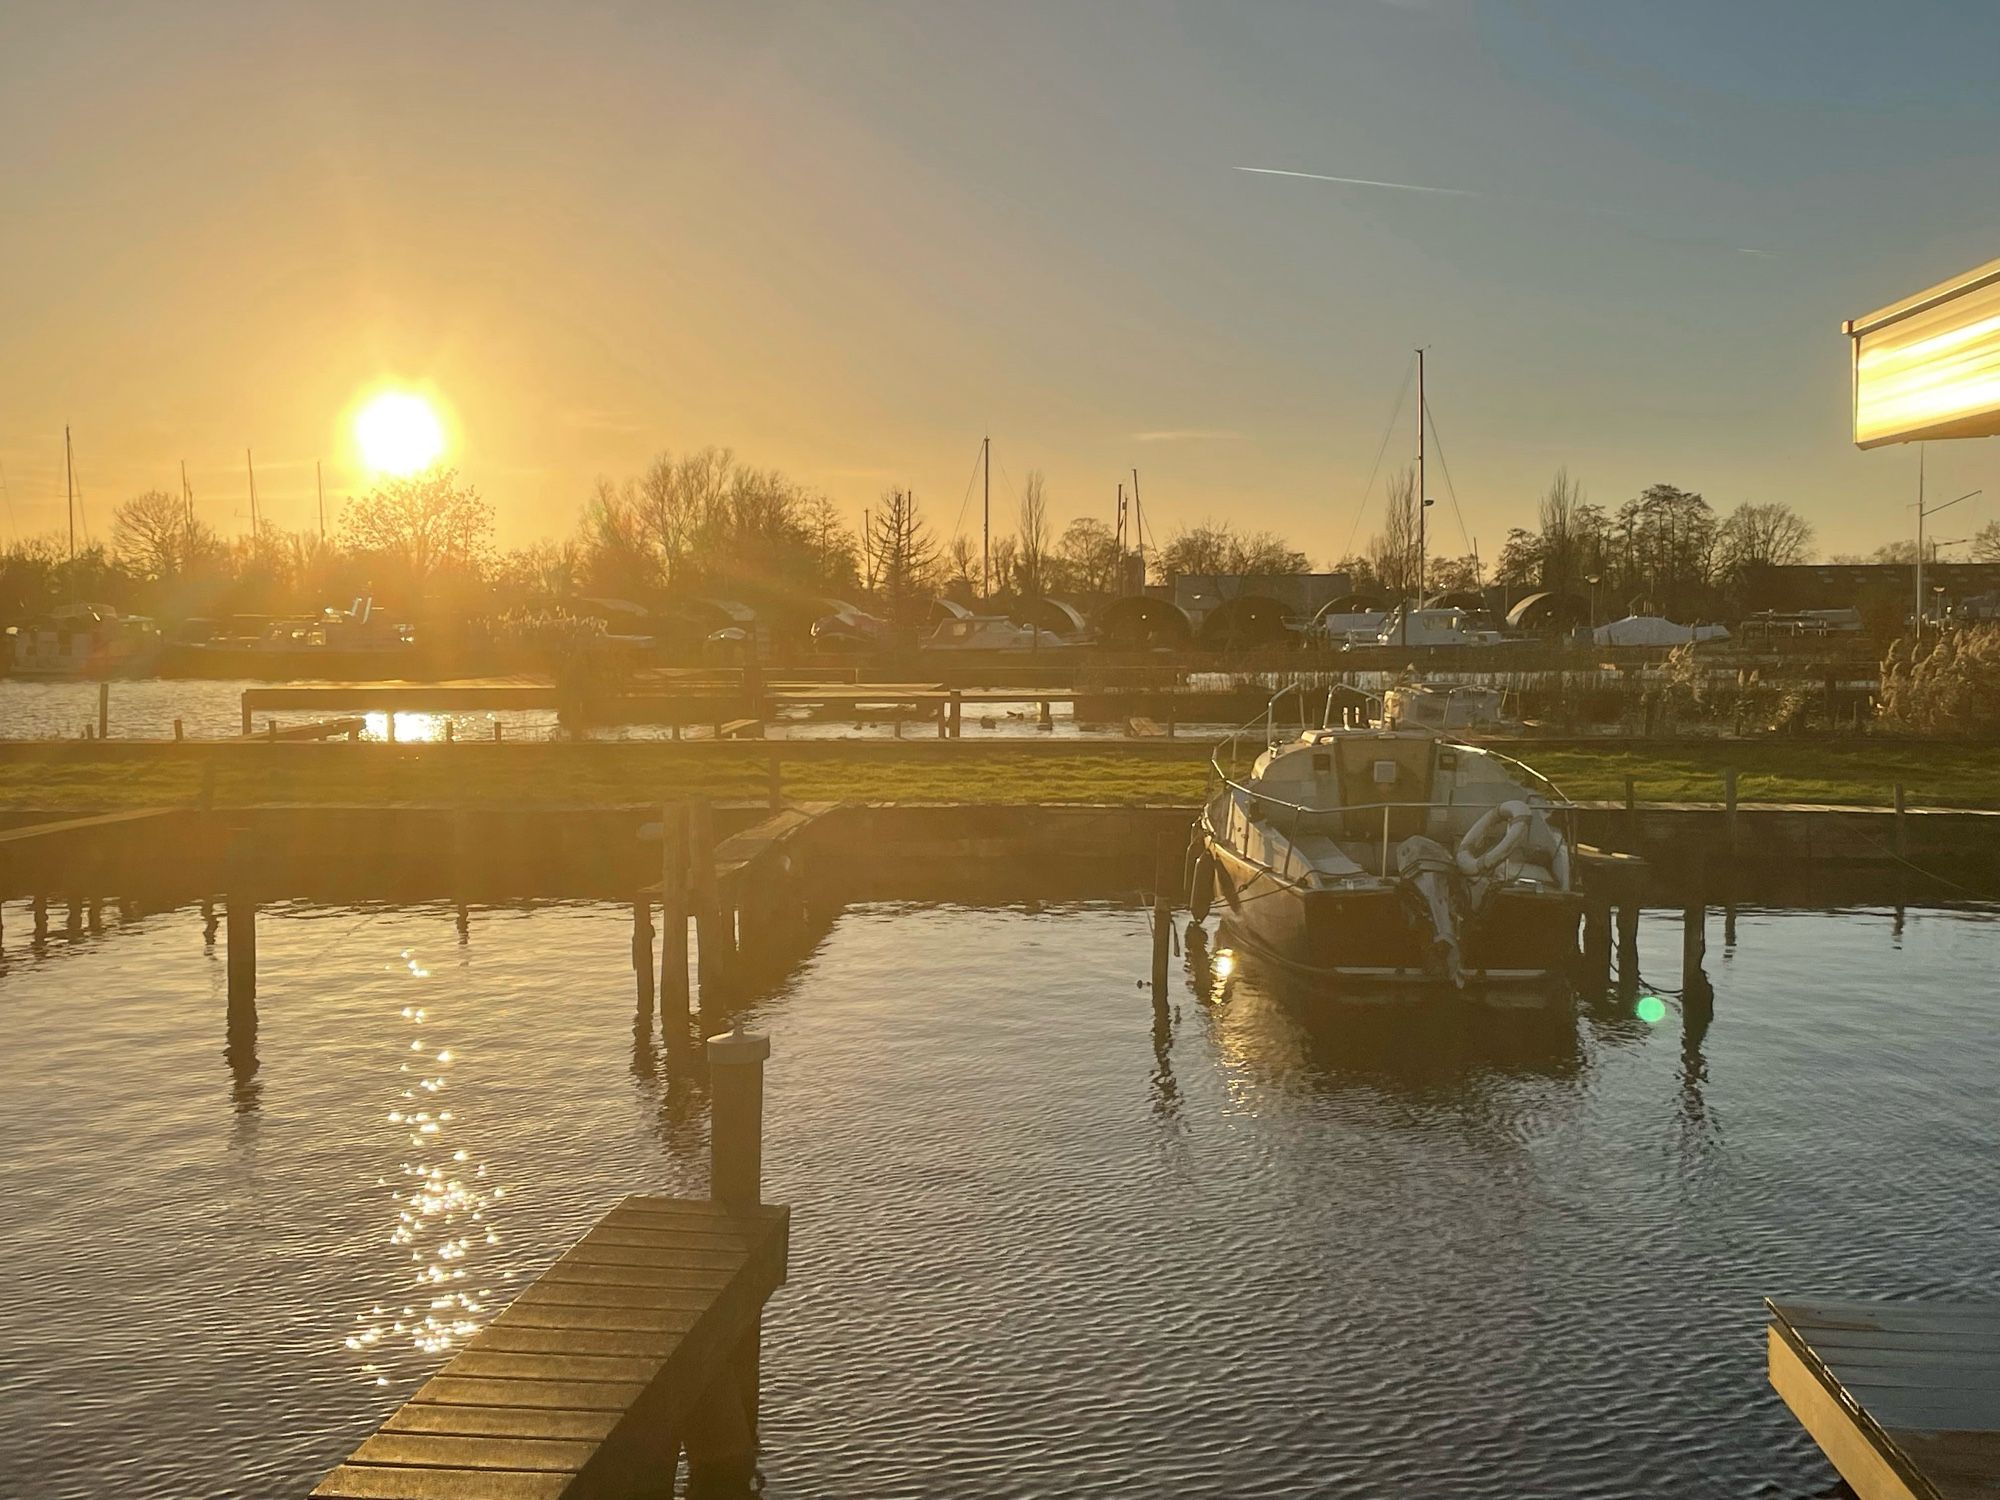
1652 1009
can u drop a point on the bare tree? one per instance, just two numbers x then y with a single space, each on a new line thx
427 523
1771 535
154 535
964 562
1394 552
1087 557
1033 535
905 556
1561 543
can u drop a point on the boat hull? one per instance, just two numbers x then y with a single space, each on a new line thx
1520 937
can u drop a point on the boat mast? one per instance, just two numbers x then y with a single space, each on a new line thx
253 495
69 489
986 519
1139 525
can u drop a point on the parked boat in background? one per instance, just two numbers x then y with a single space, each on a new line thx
1361 852
83 640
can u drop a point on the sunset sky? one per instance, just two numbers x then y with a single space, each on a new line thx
848 239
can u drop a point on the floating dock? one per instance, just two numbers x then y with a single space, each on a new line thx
1902 1397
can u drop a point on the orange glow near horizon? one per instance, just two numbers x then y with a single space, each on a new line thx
399 432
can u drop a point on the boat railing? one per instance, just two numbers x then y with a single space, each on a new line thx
1562 814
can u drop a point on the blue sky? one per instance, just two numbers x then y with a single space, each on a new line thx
849 239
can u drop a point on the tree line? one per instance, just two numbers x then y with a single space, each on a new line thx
707 523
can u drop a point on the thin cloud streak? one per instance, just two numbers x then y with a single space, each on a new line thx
1187 435
1399 187
1608 215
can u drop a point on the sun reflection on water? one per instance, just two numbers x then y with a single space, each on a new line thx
411 728
443 1210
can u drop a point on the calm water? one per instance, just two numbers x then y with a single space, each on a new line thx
146 708
1045 1241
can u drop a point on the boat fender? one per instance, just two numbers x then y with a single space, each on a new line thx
1201 888
1474 859
1561 867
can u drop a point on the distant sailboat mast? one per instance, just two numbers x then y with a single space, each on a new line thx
69 488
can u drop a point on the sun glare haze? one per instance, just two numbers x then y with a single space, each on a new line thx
398 433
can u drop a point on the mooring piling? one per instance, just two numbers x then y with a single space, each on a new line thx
104 710
642 949
179 733
41 914
1163 912
1729 809
1694 929
240 921
714 928
674 836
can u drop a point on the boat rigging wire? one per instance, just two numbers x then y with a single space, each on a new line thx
1388 429
1450 488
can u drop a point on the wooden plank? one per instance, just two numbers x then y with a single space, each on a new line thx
669 1235
1851 1449
682 1258
510 1337
367 1482
557 1395
503 1365
574 1307
423 1450
664 1278
503 1421
1982 1317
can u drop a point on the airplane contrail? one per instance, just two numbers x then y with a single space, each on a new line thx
1617 216
1400 187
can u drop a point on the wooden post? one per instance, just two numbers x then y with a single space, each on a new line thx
1628 930
448 737
721 1437
389 726
1694 928
957 715
642 949
271 730
714 928
1632 813
496 731
1173 708
240 920
896 722
1163 914
179 733
1729 809
1047 719
736 1134
246 716
104 710
1902 825
777 783
41 909
674 923
944 720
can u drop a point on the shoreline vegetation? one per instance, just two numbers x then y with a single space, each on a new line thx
69 778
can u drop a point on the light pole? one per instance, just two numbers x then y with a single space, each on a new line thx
1924 511
1593 580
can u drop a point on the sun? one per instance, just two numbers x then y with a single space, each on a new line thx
399 433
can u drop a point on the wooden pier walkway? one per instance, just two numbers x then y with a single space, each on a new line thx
1902 1397
643 1339
583 1385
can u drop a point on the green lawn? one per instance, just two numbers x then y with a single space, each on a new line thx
70 777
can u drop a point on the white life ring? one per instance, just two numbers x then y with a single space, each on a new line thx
1473 858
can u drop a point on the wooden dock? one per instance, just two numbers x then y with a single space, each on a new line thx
1902 1397
641 1341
